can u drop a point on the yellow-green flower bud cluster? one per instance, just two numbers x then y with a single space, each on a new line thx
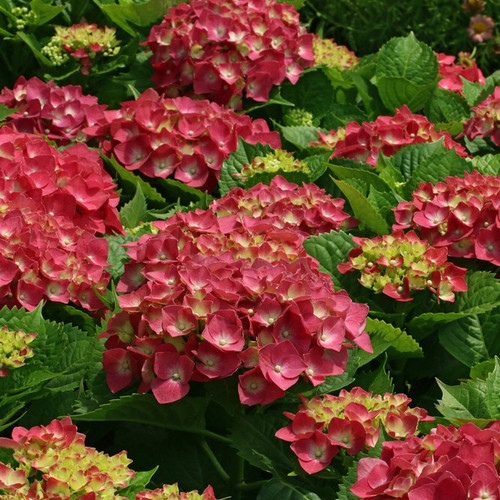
23 17
328 53
298 117
14 349
278 160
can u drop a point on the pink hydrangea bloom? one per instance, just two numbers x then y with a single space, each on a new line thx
387 134
220 49
216 290
451 73
180 138
486 119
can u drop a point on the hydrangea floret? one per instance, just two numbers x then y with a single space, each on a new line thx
462 215
387 134
222 49
328 53
181 137
54 462
451 73
298 117
459 463
83 42
53 206
397 264
215 291
352 421
274 162
486 119
14 349
58 113
172 492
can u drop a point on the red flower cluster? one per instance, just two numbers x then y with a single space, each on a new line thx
455 463
286 205
398 263
52 205
60 113
190 139
351 420
450 72
460 214
387 134
218 48
54 463
486 119
207 294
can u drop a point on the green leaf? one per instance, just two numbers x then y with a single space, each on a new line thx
137 483
482 370
487 165
5 112
128 181
367 176
471 91
253 436
313 92
135 211
409 158
139 13
406 73
464 403
187 415
30 40
330 249
300 136
232 166
276 488
117 254
446 106
379 380
493 391
44 12
385 336
363 209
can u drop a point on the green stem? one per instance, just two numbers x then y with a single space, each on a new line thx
213 459
213 435
251 486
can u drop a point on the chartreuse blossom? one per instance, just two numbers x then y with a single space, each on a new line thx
81 41
328 53
397 263
23 17
298 117
274 162
171 492
14 349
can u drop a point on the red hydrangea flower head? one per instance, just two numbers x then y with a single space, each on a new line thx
459 214
387 134
220 289
220 49
60 466
398 263
59 113
449 462
53 206
486 119
180 137
328 53
14 349
450 72
350 420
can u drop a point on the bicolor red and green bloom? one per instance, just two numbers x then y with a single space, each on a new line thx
277 160
14 349
397 264
352 421
171 492
387 135
459 463
451 73
222 50
182 138
328 53
461 215
219 289
82 42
